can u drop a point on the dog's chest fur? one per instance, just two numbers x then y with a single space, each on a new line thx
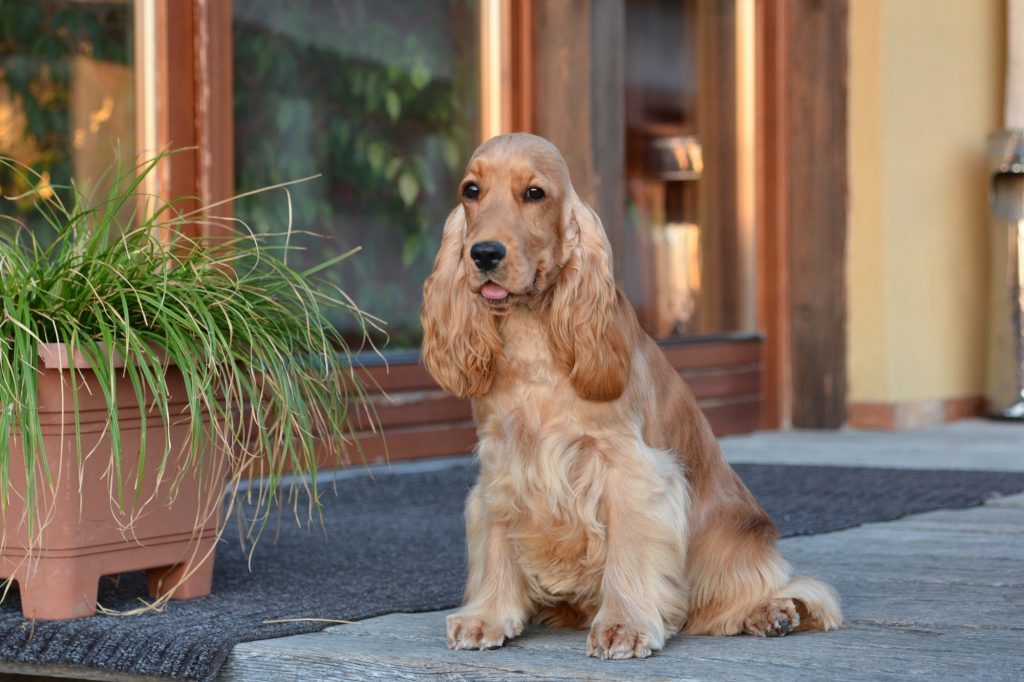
541 457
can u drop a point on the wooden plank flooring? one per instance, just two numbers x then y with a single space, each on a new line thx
933 596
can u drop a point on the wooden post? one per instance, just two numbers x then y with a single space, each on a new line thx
214 115
165 99
804 210
1013 114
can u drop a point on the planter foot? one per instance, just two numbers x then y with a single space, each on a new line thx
57 589
199 572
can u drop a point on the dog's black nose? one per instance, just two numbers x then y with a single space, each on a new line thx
487 255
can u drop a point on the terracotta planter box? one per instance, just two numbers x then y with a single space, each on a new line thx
80 531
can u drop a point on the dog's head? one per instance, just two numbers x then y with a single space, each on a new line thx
521 236
516 198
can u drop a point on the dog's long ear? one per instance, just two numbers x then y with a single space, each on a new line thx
587 328
460 338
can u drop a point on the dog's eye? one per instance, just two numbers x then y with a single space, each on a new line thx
470 190
533 194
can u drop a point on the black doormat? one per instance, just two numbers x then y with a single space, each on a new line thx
395 544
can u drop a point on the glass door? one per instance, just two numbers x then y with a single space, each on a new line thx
67 105
690 262
382 99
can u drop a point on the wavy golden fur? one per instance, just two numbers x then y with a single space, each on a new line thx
603 500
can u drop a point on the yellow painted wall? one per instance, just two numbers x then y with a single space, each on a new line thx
925 88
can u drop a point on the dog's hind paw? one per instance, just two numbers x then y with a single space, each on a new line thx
773 618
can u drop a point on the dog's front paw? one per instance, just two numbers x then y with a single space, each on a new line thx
466 631
618 641
773 618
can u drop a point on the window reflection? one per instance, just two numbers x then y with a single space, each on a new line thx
66 95
689 264
381 97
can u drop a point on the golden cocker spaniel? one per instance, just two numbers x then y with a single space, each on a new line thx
603 500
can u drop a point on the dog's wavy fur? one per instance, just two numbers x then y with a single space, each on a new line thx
603 500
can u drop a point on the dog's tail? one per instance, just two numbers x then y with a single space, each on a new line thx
817 603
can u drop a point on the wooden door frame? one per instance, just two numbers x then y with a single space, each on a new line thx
773 233
184 101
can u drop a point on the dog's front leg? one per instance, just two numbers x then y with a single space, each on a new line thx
496 600
644 595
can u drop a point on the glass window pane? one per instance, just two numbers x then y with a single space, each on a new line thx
380 97
66 94
689 266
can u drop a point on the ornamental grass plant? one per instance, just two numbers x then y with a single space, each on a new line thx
114 277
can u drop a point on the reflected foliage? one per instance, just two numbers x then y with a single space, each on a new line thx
380 97
39 41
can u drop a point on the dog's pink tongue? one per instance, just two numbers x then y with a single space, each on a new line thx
493 292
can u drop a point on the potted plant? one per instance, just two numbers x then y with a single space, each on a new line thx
140 372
